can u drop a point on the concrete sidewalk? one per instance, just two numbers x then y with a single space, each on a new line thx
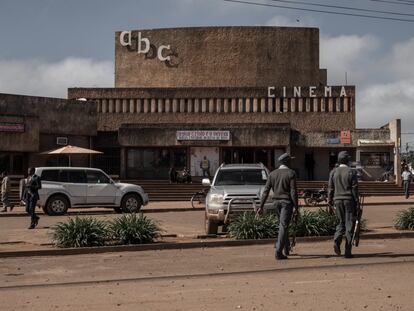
171 206
180 227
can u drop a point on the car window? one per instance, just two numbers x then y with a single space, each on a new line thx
241 177
50 175
77 177
97 178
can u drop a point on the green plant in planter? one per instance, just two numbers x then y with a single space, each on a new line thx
134 229
250 226
80 232
317 223
405 219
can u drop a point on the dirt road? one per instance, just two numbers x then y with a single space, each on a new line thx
381 277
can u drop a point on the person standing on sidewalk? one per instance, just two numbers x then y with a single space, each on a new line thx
205 167
406 176
283 183
343 193
5 192
33 185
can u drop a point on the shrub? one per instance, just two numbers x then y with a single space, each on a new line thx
79 232
250 226
317 223
405 219
134 229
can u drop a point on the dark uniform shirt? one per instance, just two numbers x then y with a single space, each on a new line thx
343 184
283 183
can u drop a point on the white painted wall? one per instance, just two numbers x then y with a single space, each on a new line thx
198 153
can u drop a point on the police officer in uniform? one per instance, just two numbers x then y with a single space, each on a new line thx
343 193
31 195
283 183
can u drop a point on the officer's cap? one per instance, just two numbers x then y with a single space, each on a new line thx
343 157
284 158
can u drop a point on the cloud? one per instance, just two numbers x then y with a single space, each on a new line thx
287 21
40 78
351 54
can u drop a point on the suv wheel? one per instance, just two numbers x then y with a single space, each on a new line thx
131 203
211 227
57 205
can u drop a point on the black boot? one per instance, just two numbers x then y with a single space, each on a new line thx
280 256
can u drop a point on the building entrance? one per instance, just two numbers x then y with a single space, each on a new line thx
154 163
252 155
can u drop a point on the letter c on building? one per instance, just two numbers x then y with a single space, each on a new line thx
159 53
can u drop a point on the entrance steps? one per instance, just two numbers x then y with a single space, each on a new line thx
162 190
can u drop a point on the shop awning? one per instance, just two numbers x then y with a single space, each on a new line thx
375 143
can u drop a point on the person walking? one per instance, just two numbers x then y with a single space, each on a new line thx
343 194
285 198
205 167
33 185
5 192
406 176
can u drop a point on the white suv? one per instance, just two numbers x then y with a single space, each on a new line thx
65 187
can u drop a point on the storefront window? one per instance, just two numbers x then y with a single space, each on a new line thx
375 159
154 163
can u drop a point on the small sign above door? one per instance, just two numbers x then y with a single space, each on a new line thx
203 135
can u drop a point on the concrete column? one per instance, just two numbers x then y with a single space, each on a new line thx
226 105
346 104
315 104
293 104
263 105
196 105
111 106
190 105
175 105
338 104
323 104
219 105
233 105
395 136
131 106
255 105
300 104
124 105
248 105
167 105
98 105
160 105
118 105
211 105
182 105
270 105
307 104
285 104
146 105
240 105
277 105
330 104
204 105
153 105
139 105
104 106
351 104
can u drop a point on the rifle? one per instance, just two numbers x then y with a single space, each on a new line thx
357 226
295 219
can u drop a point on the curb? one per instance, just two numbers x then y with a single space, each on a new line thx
174 209
185 245
108 212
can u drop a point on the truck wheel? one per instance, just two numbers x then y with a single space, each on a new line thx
118 209
131 203
211 227
57 205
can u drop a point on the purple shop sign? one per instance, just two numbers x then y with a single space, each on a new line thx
12 127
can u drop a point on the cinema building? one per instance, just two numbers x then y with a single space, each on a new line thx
232 94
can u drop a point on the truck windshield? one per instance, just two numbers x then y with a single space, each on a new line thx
241 177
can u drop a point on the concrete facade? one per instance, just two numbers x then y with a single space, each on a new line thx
220 56
42 120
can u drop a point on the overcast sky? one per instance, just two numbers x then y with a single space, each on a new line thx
50 45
